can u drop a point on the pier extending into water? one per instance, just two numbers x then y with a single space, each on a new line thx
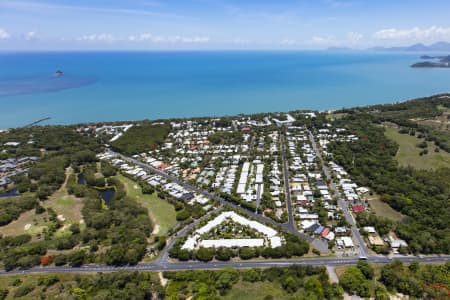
37 122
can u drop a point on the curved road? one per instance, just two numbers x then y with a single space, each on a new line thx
210 195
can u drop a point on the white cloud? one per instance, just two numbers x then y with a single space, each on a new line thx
354 37
4 35
288 42
323 40
148 37
416 33
103 37
241 41
30 36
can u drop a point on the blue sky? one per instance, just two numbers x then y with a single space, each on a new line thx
219 24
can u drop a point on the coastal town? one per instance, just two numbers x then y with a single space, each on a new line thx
242 161
249 191
224 150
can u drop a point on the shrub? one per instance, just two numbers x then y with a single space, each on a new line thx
183 215
23 291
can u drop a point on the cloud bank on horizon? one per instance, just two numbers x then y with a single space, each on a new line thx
219 24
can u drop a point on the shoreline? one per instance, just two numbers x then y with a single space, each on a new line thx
107 122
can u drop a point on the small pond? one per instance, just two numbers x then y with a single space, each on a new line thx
81 179
11 193
108 195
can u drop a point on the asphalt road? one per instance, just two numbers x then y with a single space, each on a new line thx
164 254
361 245
178 266
291 220
210 195
318 244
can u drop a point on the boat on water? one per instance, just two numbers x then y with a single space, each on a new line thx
59 73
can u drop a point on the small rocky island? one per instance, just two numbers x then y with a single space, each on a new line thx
436 62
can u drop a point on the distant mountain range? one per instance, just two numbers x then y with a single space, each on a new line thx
439 46
436 47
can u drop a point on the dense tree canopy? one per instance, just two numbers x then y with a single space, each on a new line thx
141 138
424 196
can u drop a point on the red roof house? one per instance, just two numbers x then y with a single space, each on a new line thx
358 208
325 232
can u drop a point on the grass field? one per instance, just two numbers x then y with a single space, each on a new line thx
383 209
408 152
17 227
161 212
62 203
336 116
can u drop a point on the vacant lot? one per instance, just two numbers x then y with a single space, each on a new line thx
161 212
383 209
408 152
256 291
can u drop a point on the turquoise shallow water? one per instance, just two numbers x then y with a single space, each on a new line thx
106 86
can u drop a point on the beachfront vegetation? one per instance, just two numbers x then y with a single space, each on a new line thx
142 138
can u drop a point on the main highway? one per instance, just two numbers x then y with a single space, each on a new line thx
193 265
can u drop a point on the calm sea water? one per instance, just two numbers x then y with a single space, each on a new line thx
110 86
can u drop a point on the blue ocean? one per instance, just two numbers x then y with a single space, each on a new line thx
107 86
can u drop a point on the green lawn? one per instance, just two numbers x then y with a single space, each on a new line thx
161 212
408 152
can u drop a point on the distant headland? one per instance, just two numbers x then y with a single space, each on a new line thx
442 62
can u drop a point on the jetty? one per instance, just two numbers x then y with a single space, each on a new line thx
37 122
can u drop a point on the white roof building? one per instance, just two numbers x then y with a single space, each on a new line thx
275 241
369 229
346 241
269 233
232 243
